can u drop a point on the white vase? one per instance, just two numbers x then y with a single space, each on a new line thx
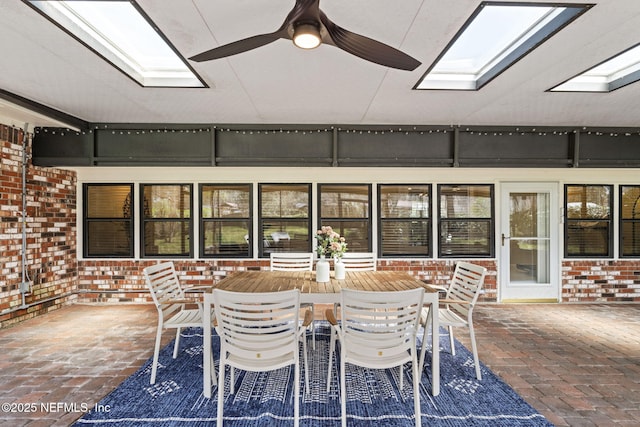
322 270
339 268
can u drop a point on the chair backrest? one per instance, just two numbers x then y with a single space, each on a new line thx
466 285
291 261
359 261
378 328
260 329
163 282
164 286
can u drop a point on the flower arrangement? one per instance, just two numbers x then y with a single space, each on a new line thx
338 247
330 243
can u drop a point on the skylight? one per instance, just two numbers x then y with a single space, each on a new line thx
125 37
496 36
612 74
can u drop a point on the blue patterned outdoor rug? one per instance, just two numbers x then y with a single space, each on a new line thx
265 399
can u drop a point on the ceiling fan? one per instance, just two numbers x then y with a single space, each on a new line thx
308 27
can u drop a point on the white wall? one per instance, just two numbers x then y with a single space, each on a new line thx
354 175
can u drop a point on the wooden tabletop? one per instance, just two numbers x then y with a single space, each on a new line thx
312 291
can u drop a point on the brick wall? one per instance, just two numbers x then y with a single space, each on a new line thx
601 281
123 281
117 281
51 261
582 281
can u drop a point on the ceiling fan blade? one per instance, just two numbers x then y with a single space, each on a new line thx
367 48
239 46
260 40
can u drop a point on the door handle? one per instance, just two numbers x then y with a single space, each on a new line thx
504 238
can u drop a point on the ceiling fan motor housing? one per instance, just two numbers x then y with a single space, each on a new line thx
306 34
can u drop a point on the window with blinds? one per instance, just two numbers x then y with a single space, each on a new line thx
225 220
285 222
166 220
466 220
588 231
108 220
347 209
630 221
405 220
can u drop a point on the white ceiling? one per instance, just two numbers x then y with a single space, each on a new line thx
279 84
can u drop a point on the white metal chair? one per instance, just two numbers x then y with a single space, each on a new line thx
171 303
359 261
291 261
356 261
259 332
378 330
457 307
295 261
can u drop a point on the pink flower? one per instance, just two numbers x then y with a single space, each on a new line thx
330 242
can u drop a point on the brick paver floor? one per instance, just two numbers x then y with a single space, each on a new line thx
579 365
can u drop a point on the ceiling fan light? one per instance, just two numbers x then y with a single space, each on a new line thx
306 36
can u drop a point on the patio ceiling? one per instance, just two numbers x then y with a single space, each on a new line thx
280 84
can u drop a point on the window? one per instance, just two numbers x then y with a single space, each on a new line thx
614 73
108 220
347 209
121 33
466 221
630 221
166 220
588 230
405 220
225 215
285 223
497 35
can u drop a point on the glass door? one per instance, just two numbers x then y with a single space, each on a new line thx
529 243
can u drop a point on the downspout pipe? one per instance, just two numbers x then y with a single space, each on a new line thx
24 284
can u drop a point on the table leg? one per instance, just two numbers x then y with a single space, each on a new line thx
206 343
435 347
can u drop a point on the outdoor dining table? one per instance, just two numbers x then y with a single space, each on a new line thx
315 292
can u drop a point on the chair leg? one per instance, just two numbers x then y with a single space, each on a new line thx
232 378
332 347
452 341
313 327
311 307
343 391
221 394
156 355
474 349
208 365
177 344
425 336
296 388
306 364
416 391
